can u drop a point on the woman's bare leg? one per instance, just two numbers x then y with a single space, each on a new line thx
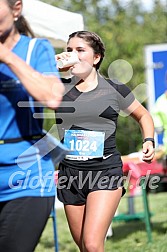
75 217
89 223
100 209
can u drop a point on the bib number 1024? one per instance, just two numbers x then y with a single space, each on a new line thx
84 143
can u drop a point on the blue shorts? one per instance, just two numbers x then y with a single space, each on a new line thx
74 185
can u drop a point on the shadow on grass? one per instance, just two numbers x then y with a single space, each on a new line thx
46 243
63 245
159 227
121 230
69 248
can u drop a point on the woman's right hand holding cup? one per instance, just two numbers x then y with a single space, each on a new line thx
66 60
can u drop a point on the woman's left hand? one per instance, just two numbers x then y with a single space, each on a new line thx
148 152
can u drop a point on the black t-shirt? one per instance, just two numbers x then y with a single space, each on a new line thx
95 110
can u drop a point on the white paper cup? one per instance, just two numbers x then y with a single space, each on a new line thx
70 61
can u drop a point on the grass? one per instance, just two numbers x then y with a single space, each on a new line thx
127 236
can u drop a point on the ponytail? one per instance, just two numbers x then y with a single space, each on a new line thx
23 27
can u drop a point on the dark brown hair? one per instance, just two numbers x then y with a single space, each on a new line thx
21 24
93 40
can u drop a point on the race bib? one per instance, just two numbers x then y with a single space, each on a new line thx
84 144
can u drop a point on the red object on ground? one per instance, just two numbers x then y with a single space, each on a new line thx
135 170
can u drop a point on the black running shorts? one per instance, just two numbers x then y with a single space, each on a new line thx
75 185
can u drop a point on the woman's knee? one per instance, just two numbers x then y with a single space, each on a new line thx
91 244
